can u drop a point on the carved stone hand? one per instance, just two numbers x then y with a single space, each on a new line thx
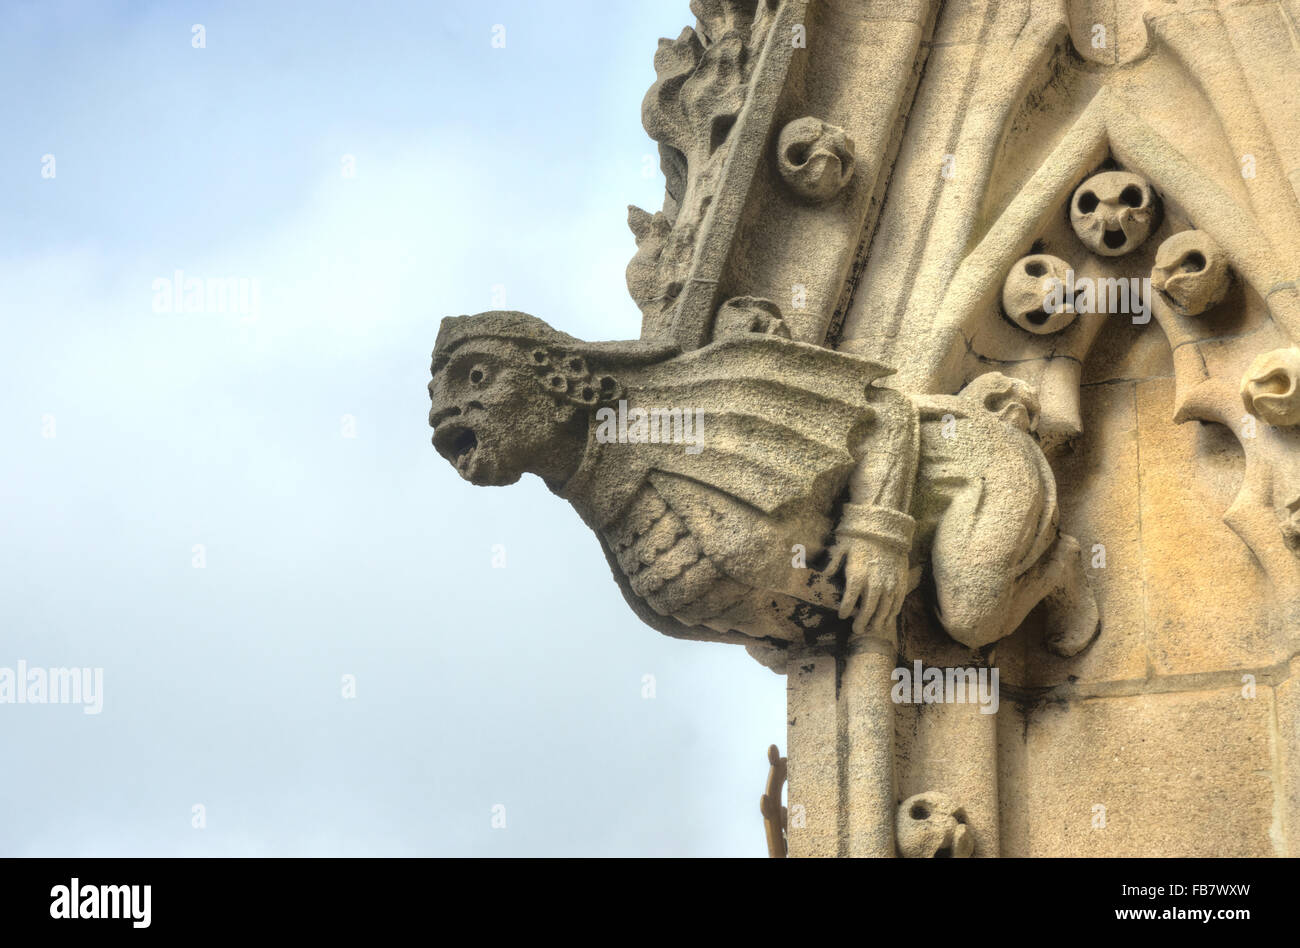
875 583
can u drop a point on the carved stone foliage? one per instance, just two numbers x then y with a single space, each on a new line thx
703 79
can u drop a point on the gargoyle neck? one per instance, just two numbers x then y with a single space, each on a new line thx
581 482
602 486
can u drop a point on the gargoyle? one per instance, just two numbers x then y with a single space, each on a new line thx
757 489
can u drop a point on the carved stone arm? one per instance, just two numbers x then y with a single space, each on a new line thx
880 490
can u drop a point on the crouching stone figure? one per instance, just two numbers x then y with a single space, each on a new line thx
759 490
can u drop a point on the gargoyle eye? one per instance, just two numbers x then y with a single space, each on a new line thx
479 375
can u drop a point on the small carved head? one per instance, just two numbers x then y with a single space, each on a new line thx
505 392
931 825
1291 524
1190 272
1270 389
1034 294
815 158
1113 212
1013 400
743 315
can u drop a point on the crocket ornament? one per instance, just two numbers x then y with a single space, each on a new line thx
765 491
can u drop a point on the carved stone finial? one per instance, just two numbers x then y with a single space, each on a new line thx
1191 272
1113 212
932 825
816 159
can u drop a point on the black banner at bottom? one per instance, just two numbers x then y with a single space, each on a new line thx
88 898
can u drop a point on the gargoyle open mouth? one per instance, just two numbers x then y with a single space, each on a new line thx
458 444
1114 239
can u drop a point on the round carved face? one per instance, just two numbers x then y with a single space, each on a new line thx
1271 387
1033 294
1190 273
491 419
1113 212
815 158
932 825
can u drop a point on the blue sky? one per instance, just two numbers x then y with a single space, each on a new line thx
327 555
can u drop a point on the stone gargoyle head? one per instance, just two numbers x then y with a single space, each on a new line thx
511 396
